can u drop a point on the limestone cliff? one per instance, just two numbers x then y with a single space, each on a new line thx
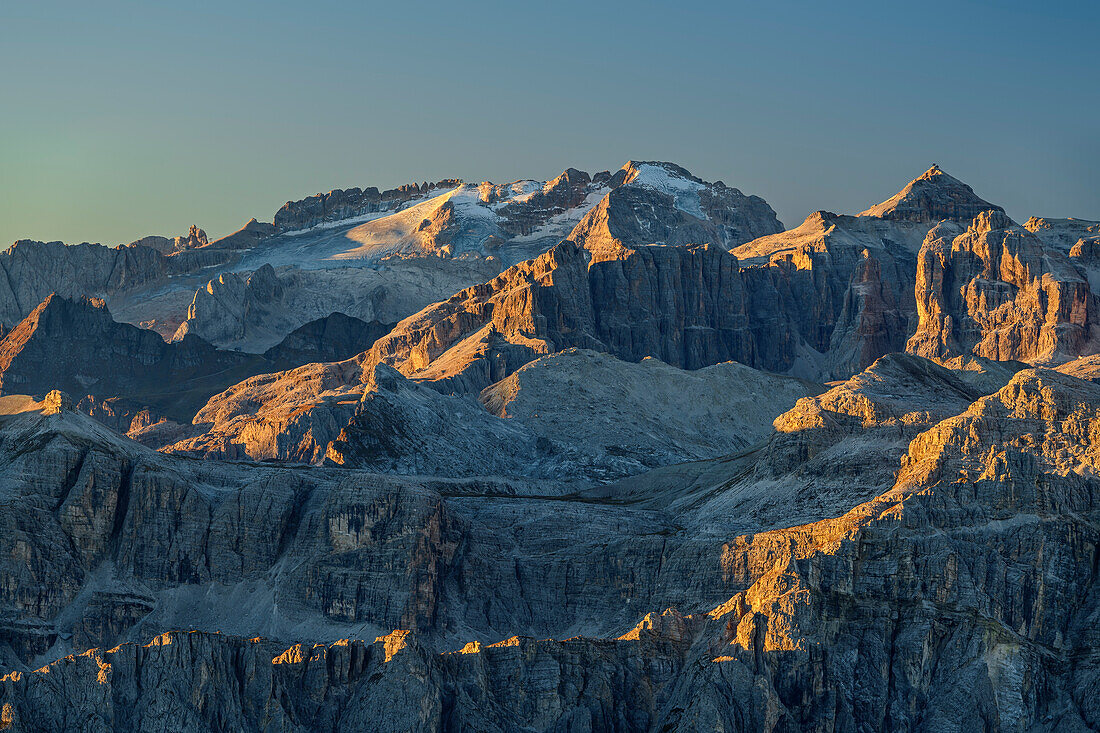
994 290
960 598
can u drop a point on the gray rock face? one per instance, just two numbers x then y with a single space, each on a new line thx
393 684
345 204
33 270
76 346
913 548
854 275
255 312
959 598
576 416
221 311
168 245
931 198
400 426
1062 234
109 527
333 338
661 203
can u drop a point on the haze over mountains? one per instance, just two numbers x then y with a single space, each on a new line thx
614 451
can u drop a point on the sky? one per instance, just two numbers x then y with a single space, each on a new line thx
123 119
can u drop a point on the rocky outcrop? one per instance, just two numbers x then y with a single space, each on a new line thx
169 245
851 276
247 237
254 312
76 346
994 290
356 684
525 214
661 203
33 270
335 337
576 416
960 598
683 305
220 311
932 197
342 204
289 416
1062 234
854 275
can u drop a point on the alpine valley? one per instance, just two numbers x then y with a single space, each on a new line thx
610 452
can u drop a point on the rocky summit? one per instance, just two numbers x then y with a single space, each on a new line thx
613 451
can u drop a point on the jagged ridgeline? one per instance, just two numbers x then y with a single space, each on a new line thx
605 452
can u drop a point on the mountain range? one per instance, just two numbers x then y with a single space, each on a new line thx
615 451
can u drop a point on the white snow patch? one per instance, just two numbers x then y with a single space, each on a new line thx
685 192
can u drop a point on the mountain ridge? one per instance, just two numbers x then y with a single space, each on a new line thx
605 452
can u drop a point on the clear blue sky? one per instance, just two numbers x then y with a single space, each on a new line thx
120 119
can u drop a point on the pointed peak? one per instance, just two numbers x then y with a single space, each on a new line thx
931 173
642 170
54 301
932 197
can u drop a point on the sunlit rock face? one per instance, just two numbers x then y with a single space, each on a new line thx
341 204
661 203
853 276
688 306
961 594
603 489
483 334
994 290
932 197
290 415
